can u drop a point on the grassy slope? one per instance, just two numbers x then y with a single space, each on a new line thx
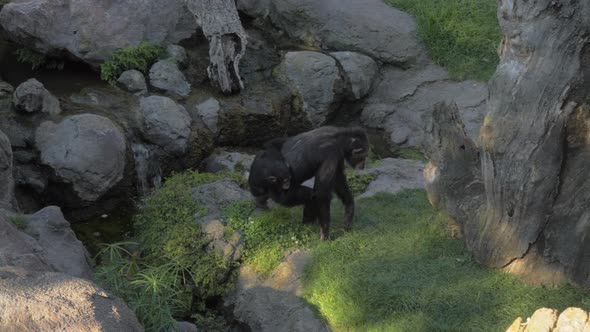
462 35
400 271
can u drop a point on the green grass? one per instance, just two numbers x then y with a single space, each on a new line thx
399 270
462 35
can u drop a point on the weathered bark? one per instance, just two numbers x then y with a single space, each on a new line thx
534 145
227 41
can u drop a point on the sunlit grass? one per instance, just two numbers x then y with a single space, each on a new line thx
461 35
399 270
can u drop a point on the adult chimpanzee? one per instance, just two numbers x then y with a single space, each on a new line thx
278 174
321 153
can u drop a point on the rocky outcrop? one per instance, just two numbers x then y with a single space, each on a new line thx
19 249
394 175
133 81
208 112
92 30
548 320
63 251
6 179
49 301
274 304
86 151
165 123
359 72
299 69
166 77
31 96
402 102
177 54
370 27
221 160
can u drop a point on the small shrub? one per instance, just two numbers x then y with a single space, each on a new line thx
139 58
358 183
28 56
19 221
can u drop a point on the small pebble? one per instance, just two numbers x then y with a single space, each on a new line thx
104 216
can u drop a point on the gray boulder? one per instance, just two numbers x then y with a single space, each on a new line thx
208 112
6 92
274 304
221 160
177 54
403 100
49 301
29 175
133 81
86 150
19 249
359 71
64 252
31 96
6 179
165 123
86 28
216 195
315 78
394 175
165 76
370 27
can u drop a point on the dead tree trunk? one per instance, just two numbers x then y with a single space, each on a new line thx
227 41
534 144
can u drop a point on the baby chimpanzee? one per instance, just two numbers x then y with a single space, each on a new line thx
270 177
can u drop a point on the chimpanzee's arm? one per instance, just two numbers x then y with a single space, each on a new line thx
325 178
343 191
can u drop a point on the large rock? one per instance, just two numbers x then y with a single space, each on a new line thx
394 175
274 304
165 76
208 112
133 81
403 100
31 96
165 123
216 195
20 249
315 78
86 150
92 30
232 161
49 301
6 180
367 26
359 71
547 320
64 252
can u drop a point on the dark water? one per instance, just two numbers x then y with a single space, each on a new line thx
73 77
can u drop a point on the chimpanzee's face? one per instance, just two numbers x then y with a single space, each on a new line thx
280 177
358 152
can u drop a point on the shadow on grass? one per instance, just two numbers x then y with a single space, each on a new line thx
399 270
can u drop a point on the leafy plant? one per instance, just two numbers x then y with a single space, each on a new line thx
139 58
28 56
19 221
357 182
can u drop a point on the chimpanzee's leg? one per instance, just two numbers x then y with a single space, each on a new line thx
261 201
343 191
324 214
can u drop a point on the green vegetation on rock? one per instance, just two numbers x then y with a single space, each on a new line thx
410 153
139 58
399 270
461 35
357 182
19 221
169 272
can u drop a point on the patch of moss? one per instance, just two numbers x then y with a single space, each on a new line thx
19 221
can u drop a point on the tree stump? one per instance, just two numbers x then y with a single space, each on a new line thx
221 25
535 146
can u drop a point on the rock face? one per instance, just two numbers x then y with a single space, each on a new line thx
370 27
6 180
548 320
19 249
228 161
133 81
273 304
394 175
48 301
165 76
165 123
86 150
359 71
403 100
299 69
177 54
64 252
85 28
208 112
31 96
